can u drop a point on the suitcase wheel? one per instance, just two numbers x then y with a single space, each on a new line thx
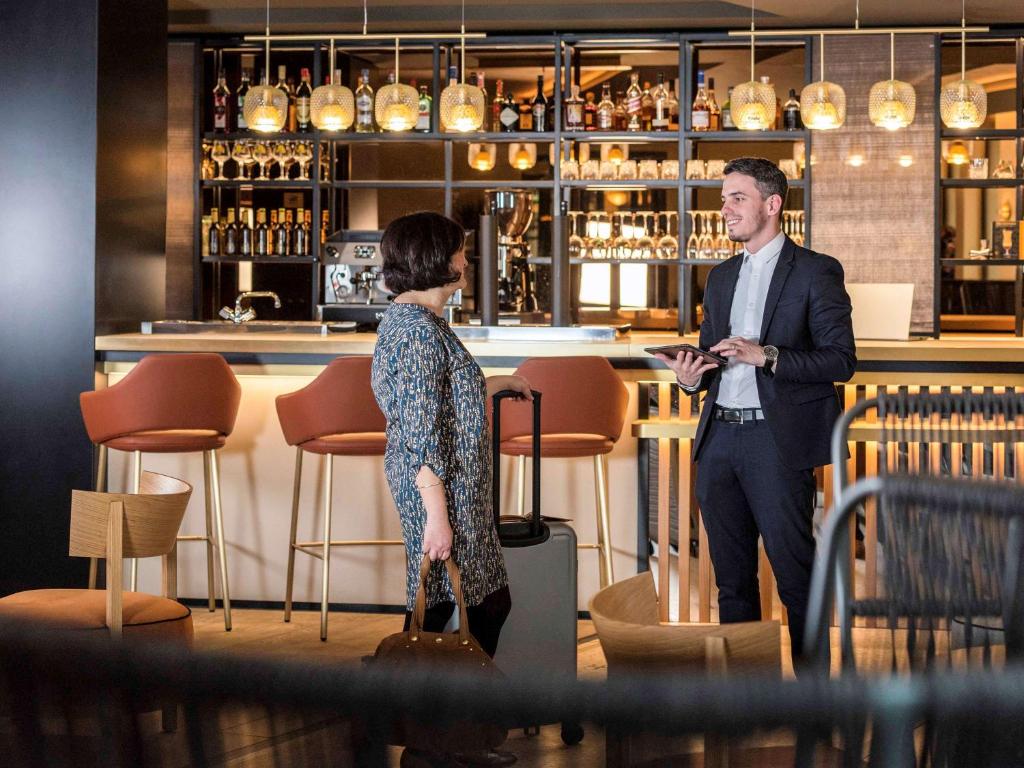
572 733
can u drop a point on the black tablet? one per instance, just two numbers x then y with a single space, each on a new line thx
671 350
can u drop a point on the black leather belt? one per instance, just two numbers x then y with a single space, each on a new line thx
738 415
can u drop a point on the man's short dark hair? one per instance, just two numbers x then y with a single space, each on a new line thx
766 174
418 251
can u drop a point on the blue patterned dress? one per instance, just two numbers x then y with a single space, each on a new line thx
433 395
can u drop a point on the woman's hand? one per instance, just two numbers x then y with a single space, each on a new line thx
437 537
515 383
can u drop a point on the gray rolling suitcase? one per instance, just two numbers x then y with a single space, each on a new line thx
539 636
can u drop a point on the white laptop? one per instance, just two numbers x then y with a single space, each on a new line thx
881 310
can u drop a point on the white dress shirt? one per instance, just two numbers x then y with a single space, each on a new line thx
738 388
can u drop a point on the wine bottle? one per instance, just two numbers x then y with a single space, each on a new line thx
364 104
215 235
231 235
700 112
540 108
303 96
261 245
243 89
714 111
660 118
300 243
222 104
245 233
281 235
791 120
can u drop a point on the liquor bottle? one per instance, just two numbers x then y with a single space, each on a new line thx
604 119
245 233
293 107
634 99
509 114
673 107
222 105
590 112
539 108
289 221
231 235
660 119
300 240
646 108
307 228
574 111
700 113
526 115
715 111
325 223
303 95
480 84
727 123
791 120
272 233
215 235
282 82
364 104
778 106
240 102
282 237
620 117
493 123
425 108
261 244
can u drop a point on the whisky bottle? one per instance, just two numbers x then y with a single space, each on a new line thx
634 103
215 235
245 233
307 228
480 84
303 95
620 117
791 120
493 123
281 235
574 111
605 110
590 112
509 114
289 222
673 107
364 104
222 105
325 223
714 111
300 243
539 107
272 233
426 104
727 123
282 77
659 97
700 113
647 108
261 244
293 108
526 116
231 235
243 89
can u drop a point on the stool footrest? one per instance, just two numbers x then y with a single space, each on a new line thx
194 538
588 546
306 545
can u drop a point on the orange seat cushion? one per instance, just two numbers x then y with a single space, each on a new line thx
169 441
350 444
559 446
145 616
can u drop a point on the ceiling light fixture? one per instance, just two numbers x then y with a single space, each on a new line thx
522 157
481 157
332 106
963 104
398 105
462 106
752 106
265 108
823 104
892 103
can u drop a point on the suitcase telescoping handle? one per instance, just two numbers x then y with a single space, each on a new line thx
516 532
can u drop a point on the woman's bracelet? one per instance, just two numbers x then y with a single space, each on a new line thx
430 485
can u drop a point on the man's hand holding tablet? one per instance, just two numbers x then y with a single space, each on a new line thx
689 363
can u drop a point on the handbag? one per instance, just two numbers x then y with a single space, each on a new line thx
440 653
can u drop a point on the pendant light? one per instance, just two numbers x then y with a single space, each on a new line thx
522 157
963 104
752 106
265 108
481 157
398 105
892 102
822 104
332 106
462 106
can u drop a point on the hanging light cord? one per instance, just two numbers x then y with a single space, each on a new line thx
856 21
963 39
892 56
266 73
396 60
751 40
822 46
462 68
332 62
365 17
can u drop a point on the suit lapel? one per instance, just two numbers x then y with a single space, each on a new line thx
782 269
728 291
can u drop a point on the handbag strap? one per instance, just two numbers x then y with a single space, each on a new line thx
420 609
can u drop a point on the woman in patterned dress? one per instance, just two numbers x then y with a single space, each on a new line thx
438 457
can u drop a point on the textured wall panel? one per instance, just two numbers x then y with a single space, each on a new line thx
181 139
878 218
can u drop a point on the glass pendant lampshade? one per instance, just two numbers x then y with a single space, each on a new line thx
823 104
752 106
332 107
958 154
963 104
522 157
398 105
892 103
481 157
462 106
265 108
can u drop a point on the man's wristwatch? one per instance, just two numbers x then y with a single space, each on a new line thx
771 356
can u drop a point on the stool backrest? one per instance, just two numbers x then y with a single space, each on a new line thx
582 395
337 402
165 391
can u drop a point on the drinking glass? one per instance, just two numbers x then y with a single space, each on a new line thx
627 169
668 243
570 170
648 169
670 169
590 169
220 154
282 153
325 162
241 153
598 234
707 237
695 169
261 156
693 241
607 170
576 243
643 241
303 154
723 245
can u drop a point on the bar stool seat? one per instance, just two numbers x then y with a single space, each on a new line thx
562 446
169 441
351 444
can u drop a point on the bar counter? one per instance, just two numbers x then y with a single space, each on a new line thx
257 464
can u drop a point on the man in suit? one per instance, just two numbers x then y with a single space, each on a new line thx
781 316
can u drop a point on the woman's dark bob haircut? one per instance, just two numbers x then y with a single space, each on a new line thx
418 251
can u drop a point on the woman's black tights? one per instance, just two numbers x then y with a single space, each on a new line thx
485 620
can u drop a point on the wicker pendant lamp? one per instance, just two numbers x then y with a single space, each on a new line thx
398 105
892 103
265 108
823 104
963 104
753 103
332 106
462 106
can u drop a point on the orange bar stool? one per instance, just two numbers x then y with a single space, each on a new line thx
584 412
170 403
336 414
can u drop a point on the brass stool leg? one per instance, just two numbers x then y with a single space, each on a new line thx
604 539
211 600
291 538
136 482
328 471
222 549
521 486
101 487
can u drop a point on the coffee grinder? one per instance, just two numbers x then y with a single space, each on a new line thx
512 211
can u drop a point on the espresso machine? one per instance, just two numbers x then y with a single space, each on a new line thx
512 212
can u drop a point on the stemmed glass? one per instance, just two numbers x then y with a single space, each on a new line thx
668 244
643 243
220 154
707 238
325 162
723 245
241 153
693 241
303 154
598 230
282 154
576 243
261 156
622 244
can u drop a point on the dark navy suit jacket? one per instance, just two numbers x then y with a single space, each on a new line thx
807 316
